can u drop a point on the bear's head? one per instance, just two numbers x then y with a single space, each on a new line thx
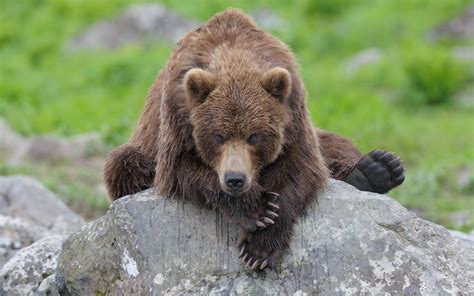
238 122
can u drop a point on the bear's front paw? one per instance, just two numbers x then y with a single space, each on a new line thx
269 210
258 253
383 170
264 216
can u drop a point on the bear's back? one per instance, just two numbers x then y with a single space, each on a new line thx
234 30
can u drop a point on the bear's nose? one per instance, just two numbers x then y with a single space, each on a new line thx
234 180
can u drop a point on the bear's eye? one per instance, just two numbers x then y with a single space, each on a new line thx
219 139
252 139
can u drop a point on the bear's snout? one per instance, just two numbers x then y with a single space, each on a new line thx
233 180
235 168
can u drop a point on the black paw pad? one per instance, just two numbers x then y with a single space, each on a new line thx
378 171
383 170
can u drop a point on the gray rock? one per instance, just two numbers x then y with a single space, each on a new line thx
349 242
467 237
17 150
465 53
26 198
52 149
24 273
460 27
465 99
12 145
48 287
465 178
17 233
139 23
366 57
460 218
268 20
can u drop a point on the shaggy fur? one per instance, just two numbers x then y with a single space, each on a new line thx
229 84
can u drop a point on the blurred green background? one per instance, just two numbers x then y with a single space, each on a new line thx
412 95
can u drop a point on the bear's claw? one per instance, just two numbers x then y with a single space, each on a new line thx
269 214
242 250
254 263
273 205
378 171
255 253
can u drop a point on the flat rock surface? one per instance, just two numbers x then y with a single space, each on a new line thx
349 242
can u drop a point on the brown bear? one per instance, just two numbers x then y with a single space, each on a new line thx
226 126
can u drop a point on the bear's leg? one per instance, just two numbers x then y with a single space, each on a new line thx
266 246
128 171
377 171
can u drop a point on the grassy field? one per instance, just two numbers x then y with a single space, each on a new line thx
405 103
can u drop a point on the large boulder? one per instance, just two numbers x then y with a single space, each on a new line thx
349 242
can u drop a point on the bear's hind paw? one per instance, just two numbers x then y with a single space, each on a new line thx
259 261
257 254
382 170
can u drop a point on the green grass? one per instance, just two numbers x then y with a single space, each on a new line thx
389 105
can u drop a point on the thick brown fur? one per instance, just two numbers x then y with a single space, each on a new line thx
223 82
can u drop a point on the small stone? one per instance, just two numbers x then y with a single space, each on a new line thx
464 53
5 241
460 218
17 233
460 27
268 20
137 24
25 271
48 287
361 59
464 179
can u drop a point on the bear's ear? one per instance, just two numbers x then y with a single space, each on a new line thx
198 84
277 82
